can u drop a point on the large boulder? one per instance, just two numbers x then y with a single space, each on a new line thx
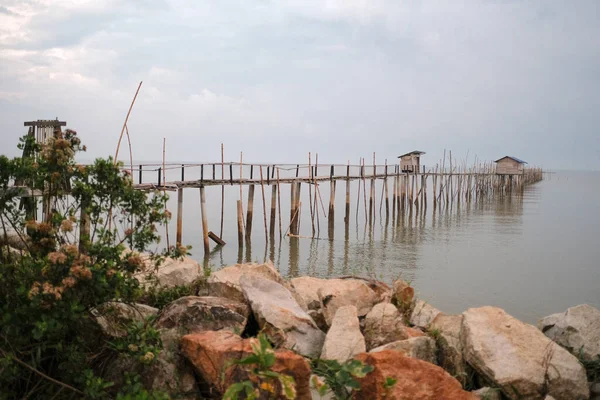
226 281
113 317
280 317
423 314
577 329
415 379
345 292
518 358
170 273
421 348
195 314
383 324
344 340
213 354
307 288
447 331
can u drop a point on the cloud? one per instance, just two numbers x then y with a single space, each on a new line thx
278 79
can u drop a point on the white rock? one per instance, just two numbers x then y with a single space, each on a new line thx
307 287
279 315
448 329
577 328
383 324
346 292
518 358
226 281
171 272
423 314
421 348
344 340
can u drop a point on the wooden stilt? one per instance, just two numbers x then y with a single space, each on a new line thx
240 221
179 216
249 213
274 189
204 221
347 214
264 204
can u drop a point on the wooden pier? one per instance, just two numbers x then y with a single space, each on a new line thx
411 193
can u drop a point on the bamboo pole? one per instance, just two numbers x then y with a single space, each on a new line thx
274 189
387 195
222 188
204 221
179 216
164 191
279 203
347 214
262 188
125 123
310 198
249 213
240 223
331 215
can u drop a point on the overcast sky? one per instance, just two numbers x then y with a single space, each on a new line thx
279 78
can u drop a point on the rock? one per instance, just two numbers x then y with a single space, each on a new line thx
279 315
518 358
195 314
415 379
383 324
113 317
549 398
487 393
170 273
420 348
319 319
447 331
344 340
595 388
577 328
226 282
414 332
168 372
403 294
345 292
423 314
211 354
307 287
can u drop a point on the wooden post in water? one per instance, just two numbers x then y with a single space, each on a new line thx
347 214
331 215
249 213
222 189
204 221
274 189
298 209
293 205
394 193
387 196
240 224
179 216
264 204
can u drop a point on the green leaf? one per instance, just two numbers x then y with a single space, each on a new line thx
234 390
288 385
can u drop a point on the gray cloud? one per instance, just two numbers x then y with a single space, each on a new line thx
342 78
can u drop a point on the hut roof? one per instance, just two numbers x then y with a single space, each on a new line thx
512 158
414 152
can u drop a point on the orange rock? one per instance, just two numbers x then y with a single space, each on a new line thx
414 332
212 353
415 379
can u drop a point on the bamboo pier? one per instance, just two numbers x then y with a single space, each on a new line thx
435 188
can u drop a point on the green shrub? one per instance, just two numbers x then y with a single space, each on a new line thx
340 378
47 331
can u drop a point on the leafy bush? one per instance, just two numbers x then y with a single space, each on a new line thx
261 379
86 251
340 378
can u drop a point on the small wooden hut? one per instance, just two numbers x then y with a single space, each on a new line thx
411 162
508 165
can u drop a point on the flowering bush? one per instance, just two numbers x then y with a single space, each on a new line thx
82 253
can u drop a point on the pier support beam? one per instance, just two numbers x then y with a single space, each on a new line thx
204 221
179 216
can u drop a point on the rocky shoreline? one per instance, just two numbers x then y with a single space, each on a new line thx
415 350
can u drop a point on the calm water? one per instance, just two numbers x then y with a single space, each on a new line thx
532 255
